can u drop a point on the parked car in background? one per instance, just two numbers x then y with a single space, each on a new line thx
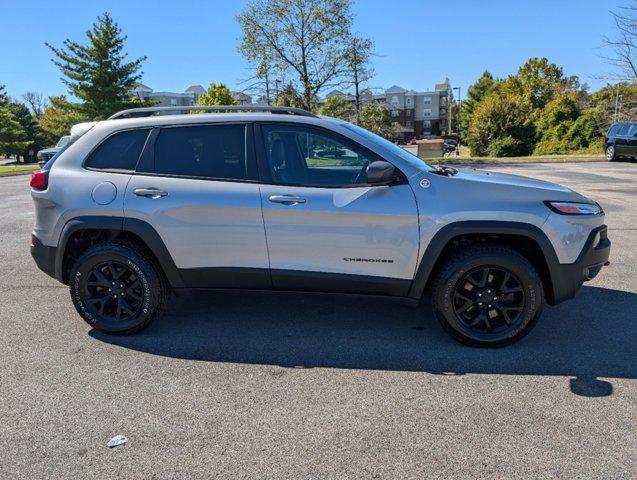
620 140
46 154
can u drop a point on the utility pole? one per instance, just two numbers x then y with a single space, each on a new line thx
616 115
459 113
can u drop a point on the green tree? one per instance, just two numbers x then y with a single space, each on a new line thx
13 139
98 73
337 107
498 127
377 119
305 37
536 83
58 118
217 94
554 122
358 68
33 135
4 98
484 86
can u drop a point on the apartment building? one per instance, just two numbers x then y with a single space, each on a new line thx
188 98
419 113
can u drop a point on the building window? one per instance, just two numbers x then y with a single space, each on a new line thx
173 102
394 101
426 112
408 124
408 100
426 124
394 113
427 100
409 113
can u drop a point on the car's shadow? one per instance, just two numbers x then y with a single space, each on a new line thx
588 338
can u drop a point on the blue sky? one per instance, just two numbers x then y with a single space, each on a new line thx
419 42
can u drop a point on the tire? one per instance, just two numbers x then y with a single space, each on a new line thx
610 153
496 312
117 289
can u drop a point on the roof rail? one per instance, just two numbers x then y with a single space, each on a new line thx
149 111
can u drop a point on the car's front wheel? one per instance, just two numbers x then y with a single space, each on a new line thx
487 296
117 289
610 153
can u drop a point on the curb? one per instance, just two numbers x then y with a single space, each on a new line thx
15 174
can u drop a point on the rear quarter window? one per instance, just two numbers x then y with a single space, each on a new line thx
120 151
612 130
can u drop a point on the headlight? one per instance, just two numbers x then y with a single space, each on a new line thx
40 157
574 208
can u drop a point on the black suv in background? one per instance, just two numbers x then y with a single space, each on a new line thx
621 141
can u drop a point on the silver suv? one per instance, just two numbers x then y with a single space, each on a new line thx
274 198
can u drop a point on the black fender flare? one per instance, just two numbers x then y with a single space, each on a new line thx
135 226
492 227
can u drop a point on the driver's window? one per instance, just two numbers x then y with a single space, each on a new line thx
305 156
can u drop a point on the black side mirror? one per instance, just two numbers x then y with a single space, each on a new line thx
380 173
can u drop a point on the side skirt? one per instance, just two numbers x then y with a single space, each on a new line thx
292 280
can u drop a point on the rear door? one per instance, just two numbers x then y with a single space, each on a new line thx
197 187
327 230
621 141
631 141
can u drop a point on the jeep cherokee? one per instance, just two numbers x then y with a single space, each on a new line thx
142 204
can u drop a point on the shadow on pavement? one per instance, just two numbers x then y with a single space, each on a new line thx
588 338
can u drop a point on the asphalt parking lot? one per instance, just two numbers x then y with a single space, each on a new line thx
237 385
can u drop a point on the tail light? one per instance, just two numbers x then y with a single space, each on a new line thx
39 179
605 138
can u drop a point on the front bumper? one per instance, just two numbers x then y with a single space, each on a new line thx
567 279
43 255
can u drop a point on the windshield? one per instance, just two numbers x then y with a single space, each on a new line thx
63 141
387 145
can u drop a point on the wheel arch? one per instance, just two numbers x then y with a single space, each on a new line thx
98 228
526 239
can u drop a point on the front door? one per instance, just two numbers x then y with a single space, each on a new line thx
199 192
326 229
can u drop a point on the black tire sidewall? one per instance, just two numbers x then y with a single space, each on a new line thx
142 268
444 293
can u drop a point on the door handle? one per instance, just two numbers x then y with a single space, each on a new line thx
149 193
286 199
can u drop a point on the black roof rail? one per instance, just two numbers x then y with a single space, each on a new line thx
150 111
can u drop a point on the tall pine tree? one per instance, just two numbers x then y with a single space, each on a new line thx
13 138
97 73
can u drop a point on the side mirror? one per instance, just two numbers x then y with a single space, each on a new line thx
380 173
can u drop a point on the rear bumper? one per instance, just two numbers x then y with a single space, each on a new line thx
43 255
567 279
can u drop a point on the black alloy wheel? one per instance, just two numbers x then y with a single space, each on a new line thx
117 288
114 291
487 295
488 300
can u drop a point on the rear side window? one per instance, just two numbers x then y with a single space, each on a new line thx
210 151
120 151
623 130
612 130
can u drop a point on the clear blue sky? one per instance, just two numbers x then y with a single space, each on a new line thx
420 42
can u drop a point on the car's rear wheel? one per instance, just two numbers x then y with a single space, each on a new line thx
610 153
117 289
487 296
